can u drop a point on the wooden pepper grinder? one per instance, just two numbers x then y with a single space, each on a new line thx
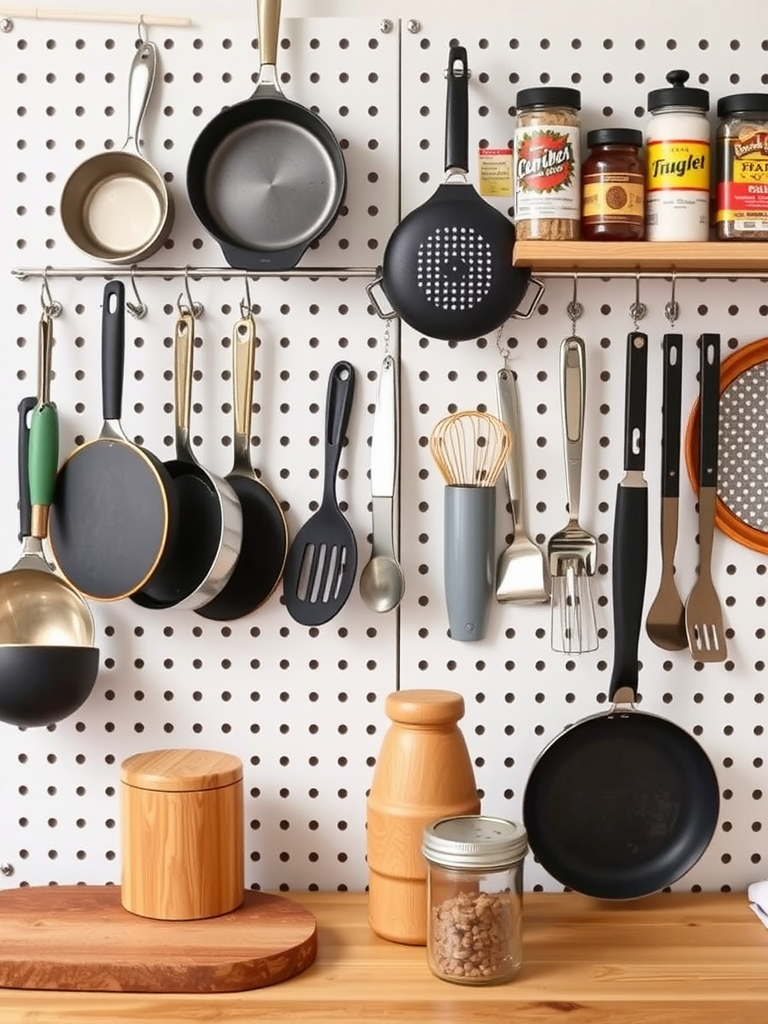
423 772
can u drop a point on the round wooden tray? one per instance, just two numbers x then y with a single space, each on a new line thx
79 938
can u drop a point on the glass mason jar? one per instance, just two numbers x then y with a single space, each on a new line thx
475 898
547 164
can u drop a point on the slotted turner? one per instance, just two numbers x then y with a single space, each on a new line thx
703 614
322 559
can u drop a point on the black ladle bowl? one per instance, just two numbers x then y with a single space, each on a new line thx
42 685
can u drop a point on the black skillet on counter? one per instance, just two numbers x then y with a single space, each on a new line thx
115 516
622 804
447 268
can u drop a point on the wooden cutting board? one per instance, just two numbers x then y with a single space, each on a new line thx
79 938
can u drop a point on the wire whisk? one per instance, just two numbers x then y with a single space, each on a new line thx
470 448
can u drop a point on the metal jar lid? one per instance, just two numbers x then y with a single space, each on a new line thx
678 94
474 841
548 96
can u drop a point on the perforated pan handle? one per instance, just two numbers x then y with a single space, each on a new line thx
457 111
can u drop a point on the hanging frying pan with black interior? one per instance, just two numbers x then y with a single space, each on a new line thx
210 519
266 177
623 804
114 518
116 206
261 561
447 268
741 512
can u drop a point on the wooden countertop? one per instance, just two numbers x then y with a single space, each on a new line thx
668 959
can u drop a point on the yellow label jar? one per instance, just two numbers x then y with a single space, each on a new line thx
742 167
678 164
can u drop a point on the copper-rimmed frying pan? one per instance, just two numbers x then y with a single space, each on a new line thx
114 517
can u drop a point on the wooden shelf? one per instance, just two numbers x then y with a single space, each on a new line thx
688 257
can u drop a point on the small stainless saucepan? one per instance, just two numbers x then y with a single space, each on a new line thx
115 205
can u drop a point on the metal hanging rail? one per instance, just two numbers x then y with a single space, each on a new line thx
29 273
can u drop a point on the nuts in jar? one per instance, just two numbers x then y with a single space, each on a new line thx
475 898
742 167
547 164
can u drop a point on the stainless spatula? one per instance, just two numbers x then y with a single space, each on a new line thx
322 560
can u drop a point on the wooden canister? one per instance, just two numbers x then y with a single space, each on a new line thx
182 834
423 772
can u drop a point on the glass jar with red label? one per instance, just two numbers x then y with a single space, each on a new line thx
742 167
547 164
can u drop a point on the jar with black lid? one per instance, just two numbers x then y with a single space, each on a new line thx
742 167
547 164
613 186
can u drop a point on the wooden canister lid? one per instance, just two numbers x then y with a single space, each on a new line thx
424 707
181 770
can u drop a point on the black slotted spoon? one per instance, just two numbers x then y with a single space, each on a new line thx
322 559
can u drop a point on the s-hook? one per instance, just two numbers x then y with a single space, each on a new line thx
672 308
51 307
137 309
638 309
195 308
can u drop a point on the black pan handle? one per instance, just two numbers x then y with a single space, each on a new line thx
709 408
26 405
457 111
341 392
112 349
636 387
672 348
630 529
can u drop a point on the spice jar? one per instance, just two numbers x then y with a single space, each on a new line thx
423 772
613 186
678 163
547 164
742 167
475 894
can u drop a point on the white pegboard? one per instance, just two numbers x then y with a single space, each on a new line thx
304 707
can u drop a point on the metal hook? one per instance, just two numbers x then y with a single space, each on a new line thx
246 306
638 309
142 30
51 307
672 308
137 309
195 308
574 308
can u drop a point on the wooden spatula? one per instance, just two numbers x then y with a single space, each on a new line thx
322 560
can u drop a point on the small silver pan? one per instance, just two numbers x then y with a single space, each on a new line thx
115 206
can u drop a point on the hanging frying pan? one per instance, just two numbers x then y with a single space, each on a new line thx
266 177
116 206
114 518
210 528
447 269
624 803
264 549
741 511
